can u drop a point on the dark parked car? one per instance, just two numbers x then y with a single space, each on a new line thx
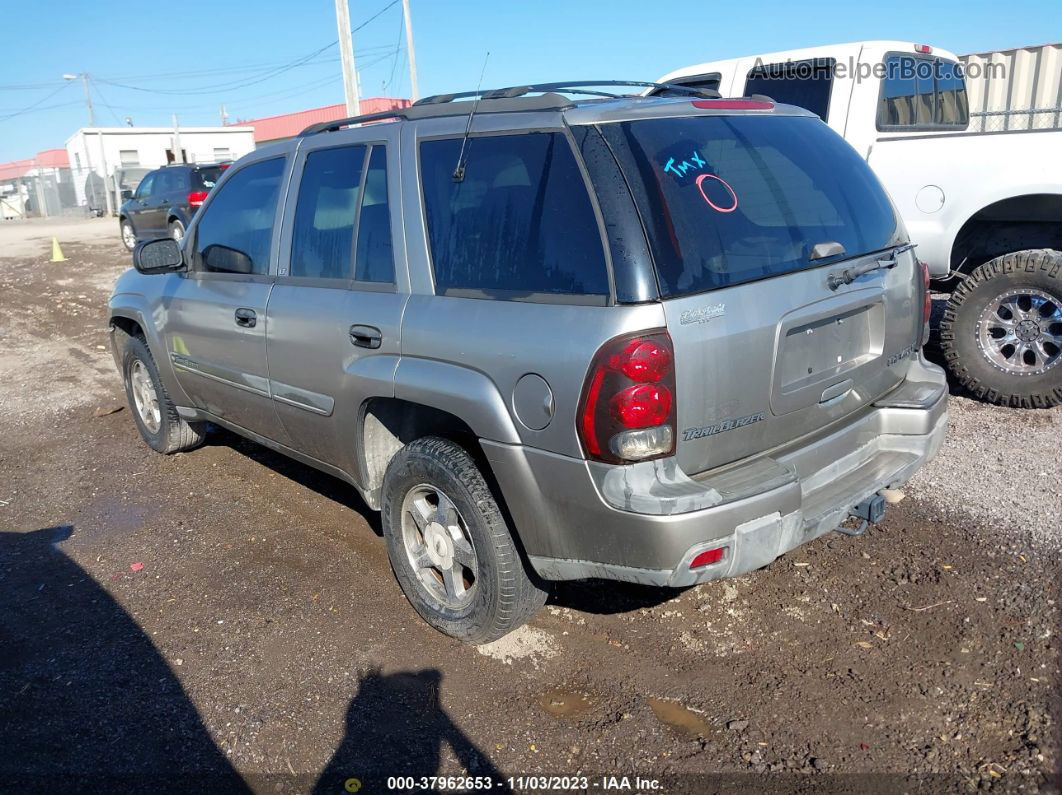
165 201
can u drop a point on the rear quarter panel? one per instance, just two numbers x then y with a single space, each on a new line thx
971 171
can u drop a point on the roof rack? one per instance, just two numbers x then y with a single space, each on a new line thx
430 106
575 87
332 126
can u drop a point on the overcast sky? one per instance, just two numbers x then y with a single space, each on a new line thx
148 60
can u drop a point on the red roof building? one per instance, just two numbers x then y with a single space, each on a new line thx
49 158
280 128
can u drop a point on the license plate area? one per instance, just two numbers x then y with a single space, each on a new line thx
823 344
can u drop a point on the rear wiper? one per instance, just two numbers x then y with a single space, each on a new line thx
887 260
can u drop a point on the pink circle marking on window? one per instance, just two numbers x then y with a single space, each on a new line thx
712 204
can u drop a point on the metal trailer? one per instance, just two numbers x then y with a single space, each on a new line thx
1018 89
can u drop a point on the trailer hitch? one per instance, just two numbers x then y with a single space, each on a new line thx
870 510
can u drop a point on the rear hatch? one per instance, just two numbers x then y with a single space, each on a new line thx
747 216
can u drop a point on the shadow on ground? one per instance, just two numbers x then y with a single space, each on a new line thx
86 700
607 597
397 727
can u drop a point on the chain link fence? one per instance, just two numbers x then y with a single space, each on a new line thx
1007 120
39 193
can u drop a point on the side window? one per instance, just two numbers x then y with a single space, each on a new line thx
324 216
236 229
165 182
922 92
375 261
143 190
806 84
952 106
520 222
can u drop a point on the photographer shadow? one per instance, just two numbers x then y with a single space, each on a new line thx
396 726
86 700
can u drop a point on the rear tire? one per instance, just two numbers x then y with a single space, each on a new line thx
1001 332
128 234
153 412
176 230
462 524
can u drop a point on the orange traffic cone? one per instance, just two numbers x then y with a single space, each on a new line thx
57 253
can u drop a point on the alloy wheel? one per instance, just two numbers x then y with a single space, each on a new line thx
1020 331
145 397
438 546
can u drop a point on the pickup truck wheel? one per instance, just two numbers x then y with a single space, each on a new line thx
449 545
154 413
128 235
1002 330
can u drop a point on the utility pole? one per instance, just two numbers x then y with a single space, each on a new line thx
88 95
346 57
224 116
178 153
409 51
107 178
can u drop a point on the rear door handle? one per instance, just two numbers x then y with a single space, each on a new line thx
366 336
246 317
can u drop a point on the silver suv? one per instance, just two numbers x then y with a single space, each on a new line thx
654 339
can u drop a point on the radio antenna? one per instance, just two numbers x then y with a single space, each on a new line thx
459 169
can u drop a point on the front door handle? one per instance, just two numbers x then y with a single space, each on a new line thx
246 317
366 336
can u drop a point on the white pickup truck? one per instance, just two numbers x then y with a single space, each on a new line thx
984 208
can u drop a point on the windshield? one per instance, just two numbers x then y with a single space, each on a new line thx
732 199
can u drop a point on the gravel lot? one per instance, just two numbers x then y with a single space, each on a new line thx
226 619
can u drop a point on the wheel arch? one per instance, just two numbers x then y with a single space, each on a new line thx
387 424
1008 224
128 317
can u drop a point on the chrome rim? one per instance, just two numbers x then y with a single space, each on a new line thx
128 235
1020 331
177 232
438 546
144 396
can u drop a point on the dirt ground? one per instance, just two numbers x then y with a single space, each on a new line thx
226 619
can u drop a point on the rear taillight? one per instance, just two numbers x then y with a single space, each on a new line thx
628 407
197 197
927 302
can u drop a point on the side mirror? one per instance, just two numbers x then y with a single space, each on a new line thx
127 195
158 256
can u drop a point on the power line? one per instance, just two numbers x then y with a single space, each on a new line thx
398 46
238 84
35 105
107 105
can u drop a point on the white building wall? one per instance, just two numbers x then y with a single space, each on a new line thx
98 149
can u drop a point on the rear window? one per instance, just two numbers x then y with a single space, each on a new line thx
732 199
806 84
207 177
922 93
519 224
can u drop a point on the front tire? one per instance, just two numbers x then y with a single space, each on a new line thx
153 412
1002 330
450 547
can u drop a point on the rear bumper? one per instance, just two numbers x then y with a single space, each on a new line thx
645 523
